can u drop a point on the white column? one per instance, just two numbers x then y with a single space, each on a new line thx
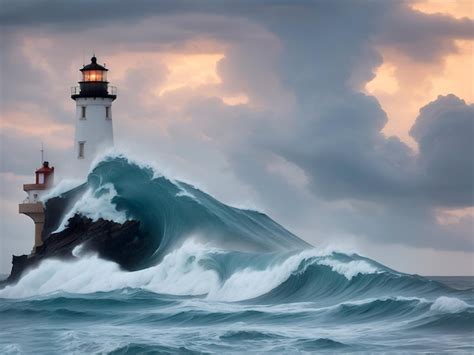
94 130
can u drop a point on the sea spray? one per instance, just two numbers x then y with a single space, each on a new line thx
192 269
95 205
445 304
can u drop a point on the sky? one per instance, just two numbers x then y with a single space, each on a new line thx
349 122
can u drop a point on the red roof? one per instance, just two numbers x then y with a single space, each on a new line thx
45 170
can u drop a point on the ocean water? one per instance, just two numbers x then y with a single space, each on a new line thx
216 279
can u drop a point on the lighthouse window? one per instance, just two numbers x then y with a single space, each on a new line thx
107 112
94 75
83 112
81 150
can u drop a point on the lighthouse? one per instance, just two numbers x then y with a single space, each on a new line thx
94 128
94 133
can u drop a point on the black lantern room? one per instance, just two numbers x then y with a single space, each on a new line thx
94 82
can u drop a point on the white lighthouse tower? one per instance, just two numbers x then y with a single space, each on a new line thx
94 131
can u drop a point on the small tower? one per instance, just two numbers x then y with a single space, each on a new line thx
94 97
32 205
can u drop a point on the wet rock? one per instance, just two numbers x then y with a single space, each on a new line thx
110 240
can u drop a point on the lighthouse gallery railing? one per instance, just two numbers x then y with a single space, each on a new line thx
76 90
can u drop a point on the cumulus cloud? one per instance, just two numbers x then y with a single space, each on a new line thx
444 131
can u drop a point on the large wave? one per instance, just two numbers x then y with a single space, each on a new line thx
209 263
169 211
196 245
192 269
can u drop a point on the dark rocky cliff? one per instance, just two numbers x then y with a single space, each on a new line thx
111 240
56 208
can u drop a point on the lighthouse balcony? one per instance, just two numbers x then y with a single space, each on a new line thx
93 89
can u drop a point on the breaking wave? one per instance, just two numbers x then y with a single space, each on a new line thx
192 269
234 274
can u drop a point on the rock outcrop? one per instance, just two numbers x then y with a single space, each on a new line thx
110 240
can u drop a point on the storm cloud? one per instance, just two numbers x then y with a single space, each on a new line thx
306 146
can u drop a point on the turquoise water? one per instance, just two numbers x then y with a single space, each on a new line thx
215 279
128 321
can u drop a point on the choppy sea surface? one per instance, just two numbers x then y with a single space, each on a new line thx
198 292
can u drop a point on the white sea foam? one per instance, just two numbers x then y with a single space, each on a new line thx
62 187
93 207
249 283
445 304
351 268
383 299
181 272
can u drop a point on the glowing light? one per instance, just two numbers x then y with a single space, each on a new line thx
94 75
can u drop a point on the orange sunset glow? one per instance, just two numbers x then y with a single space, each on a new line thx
455 8
191 71
403 86
182 72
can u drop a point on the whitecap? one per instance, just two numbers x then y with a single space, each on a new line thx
351 268
446 304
